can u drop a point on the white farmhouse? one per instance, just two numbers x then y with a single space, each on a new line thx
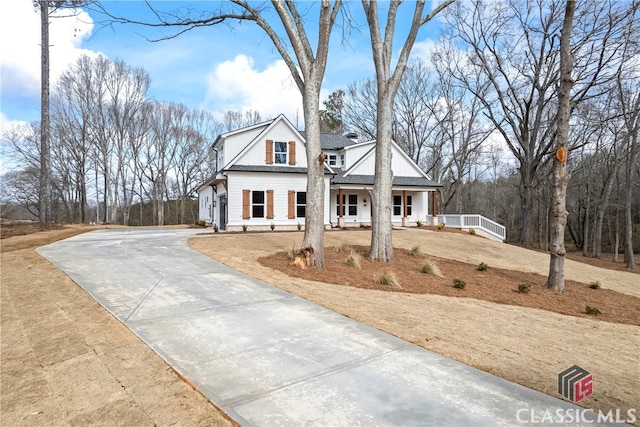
260 181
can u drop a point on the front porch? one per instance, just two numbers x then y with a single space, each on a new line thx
350 206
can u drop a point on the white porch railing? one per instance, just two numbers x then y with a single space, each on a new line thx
476 222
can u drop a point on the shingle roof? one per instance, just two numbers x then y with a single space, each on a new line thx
406 181
270 168
331 141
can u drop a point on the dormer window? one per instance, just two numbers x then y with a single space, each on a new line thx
333 160
280 152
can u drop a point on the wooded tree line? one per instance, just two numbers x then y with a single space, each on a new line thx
111 147
479 115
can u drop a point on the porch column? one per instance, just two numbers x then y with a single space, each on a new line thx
434 203
340 208
404 203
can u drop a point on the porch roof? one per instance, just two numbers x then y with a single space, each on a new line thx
404 181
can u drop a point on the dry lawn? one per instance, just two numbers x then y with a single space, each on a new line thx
488 325
67 361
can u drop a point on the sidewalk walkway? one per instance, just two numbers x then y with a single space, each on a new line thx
266 357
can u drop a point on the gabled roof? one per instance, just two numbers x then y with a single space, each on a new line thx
260 136
332 141
241 130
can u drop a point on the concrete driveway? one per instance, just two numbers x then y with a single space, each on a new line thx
266 357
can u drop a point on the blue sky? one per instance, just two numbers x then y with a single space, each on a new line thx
221 68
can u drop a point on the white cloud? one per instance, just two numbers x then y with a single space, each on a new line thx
424 49
239 85
20 53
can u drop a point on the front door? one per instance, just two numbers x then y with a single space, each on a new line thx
223 212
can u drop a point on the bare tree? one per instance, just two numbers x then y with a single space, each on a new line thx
560 173
387 87
513 46
307 69
236 119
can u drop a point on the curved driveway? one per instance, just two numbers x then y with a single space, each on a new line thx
266 357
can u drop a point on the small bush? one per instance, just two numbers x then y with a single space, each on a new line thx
244 227
418 223
592 310
430 267
299 226
483 266
472 231
389 279
524 288
215 228
594 285
292 253
459 284
272 226
354 259
441 225
415 251
342 248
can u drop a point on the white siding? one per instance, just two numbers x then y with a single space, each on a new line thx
205 199
256 155
234 144
354 152
401 165
280 183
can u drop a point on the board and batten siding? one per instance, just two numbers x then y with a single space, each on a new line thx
234 144
257 154
280 183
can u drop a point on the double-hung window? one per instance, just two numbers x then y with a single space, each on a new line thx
280 151
301 204
257 204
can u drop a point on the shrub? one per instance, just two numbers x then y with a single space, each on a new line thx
594 285
459 284
244 227
441 225
524 288
472 231
354 259
215 228
200 224
292 253
415 251
299 226
592 310
430 267
272 226
389 279
342 248
483 266
418 223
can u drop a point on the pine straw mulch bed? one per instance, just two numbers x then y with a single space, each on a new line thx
494 284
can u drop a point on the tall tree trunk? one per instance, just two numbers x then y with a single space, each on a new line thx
44 211
526 200
585 226
602 208
381 228
629 258
313 241
555 280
